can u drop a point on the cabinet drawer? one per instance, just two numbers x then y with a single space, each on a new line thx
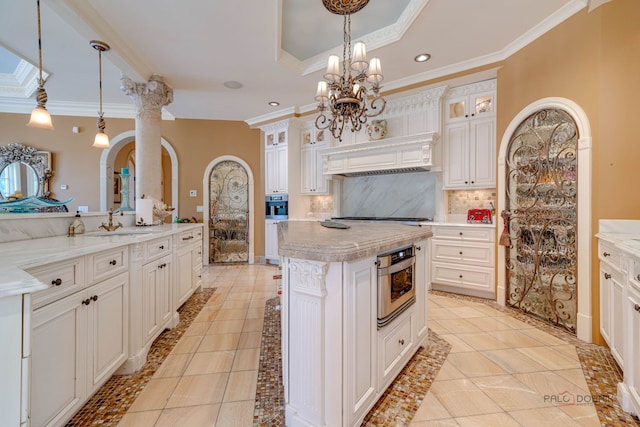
482 254
65 278
396 343
158 247
477 278
106 264
480 234
609 254
189 237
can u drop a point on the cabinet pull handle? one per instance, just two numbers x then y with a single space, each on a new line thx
161 247
95 297
636 307
57 282
607 276
401 341
113 262
87 301
606 254
187 238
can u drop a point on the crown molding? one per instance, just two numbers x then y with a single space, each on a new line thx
77 109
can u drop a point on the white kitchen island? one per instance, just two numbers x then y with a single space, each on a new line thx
336 361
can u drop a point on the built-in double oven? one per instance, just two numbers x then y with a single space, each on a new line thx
396 283
277 206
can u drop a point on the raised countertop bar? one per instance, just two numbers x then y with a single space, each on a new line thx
310 240
22 254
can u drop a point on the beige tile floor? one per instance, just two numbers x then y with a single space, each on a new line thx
500 371
210 376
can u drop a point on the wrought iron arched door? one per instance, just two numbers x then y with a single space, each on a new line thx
229 213
541 216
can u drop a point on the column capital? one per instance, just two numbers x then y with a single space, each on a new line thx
149 97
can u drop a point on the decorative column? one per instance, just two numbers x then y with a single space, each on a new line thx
149 99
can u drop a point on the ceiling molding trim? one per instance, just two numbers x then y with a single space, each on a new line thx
374 40
544 26
88 22
76 109
276 115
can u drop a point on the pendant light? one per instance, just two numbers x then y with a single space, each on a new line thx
40 117
101 140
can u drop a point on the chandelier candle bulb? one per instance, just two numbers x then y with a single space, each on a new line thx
333 68
359 57
323 92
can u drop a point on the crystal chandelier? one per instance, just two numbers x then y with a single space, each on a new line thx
345 96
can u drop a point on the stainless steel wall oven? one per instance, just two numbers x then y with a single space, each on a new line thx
277 206
396 283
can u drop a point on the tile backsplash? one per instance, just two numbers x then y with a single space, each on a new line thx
460 201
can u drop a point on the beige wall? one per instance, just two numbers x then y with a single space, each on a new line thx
196 142
592 59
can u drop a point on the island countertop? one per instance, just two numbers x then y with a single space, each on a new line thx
310 240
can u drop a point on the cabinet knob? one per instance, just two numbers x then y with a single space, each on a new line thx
161 247
57 282
607 276
460 252
87 301
418 248
606 254
95 297
461 233
636 307
466 182
473 182
113 262
461 276
638 277
401 341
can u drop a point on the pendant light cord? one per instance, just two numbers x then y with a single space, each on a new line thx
41 81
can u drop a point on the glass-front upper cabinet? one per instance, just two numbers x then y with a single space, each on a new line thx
469 105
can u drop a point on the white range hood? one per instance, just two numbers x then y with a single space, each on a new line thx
391 155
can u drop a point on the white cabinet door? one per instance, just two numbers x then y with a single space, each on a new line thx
422 278
605 302
270 167
632 370
359 312
108 328
271 240
617 310
482 159
185 282
282 169
156 307
457 140
307 169
58 360
313 181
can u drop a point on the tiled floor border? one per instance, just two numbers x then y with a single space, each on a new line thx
109 404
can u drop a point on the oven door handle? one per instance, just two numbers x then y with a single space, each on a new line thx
397 267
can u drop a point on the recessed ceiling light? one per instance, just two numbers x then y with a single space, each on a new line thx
423 57
274 103
232 84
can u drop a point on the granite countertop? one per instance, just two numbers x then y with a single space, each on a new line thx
310 240
23 254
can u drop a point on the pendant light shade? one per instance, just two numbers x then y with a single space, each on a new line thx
101 140
40 117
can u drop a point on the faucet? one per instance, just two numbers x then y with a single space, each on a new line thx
110 226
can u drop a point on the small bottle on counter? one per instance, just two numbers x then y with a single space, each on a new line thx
78 224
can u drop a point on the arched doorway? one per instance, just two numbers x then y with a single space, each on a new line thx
228 193
544 187
108 159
